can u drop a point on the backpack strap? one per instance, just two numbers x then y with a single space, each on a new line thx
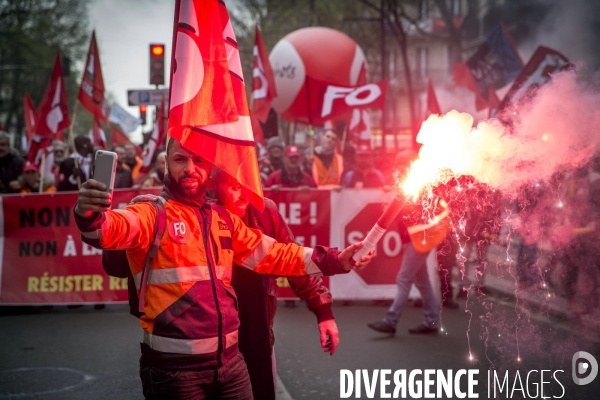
158 203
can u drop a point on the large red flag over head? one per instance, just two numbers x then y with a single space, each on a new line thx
91 90
208 108
263 81
53 116
30 115
201 92
433 107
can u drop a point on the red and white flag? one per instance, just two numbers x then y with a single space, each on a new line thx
30 115
156 139
91 90
263 81
433 107
53 116
97 136
208 110
117 137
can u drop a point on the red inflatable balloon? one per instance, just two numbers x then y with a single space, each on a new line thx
321 53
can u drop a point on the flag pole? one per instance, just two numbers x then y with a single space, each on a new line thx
344 135
72 139
42 167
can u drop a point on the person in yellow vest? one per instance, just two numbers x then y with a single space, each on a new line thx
328 166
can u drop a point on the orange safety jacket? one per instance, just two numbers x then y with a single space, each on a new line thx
190 309
328 177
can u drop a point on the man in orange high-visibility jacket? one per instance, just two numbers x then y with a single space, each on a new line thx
190 319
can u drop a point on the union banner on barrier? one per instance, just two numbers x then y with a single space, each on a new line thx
44 261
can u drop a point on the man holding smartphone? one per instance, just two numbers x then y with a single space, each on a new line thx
190 321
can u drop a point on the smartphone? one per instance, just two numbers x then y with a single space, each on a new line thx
105 168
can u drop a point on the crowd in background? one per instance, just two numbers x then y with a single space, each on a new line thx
65 167
553 223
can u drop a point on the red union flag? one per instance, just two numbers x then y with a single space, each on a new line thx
208 110
30 115
263 81
331 102
91 90
53 116
97 136
158 137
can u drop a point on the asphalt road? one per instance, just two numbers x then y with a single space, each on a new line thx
93 354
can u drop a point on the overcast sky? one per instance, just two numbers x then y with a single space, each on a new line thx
124 30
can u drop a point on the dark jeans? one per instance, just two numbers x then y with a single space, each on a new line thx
231 381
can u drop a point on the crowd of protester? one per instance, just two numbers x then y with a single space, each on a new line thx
553 235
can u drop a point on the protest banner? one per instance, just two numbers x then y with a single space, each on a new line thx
44 261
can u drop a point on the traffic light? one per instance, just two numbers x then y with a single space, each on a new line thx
157 64
143 109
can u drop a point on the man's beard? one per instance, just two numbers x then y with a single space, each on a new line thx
196 195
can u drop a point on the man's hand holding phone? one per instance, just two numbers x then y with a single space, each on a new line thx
92 197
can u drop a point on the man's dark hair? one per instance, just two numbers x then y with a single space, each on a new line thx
170 142
83 142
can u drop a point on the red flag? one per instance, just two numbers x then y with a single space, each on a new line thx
97 136
462 77
208 108
263 81
53 116
117 137
336 103
91 90
433 107
156 139
257 129
30 115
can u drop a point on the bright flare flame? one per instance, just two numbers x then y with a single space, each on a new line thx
447 140
538 143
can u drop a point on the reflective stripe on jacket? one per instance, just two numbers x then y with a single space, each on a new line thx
190 307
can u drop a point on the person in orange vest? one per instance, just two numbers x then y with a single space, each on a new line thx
30 180
257 294
327 165
132 160
189 309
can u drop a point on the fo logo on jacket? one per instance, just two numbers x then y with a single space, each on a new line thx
179 231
